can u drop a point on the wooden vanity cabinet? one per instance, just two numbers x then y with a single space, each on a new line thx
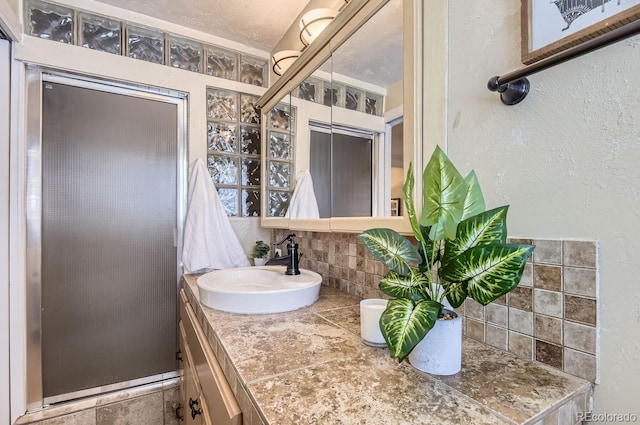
206 396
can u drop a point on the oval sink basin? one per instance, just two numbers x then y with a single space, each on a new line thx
258 290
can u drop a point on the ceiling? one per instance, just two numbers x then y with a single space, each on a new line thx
255 23
261 24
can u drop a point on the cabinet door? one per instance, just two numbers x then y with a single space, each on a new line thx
223 406
192 409
215 400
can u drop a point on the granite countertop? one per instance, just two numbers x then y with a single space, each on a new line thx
310 366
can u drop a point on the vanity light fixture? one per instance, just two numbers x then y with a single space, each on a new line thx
314 22
283 59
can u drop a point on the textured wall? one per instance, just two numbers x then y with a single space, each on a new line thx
15 6
566 159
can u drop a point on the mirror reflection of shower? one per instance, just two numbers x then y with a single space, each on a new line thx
362 82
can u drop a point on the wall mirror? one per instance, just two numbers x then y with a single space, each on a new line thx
344 111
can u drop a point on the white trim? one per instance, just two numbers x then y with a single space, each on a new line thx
17 319
5 88
10 21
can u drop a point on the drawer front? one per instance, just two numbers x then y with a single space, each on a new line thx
221 404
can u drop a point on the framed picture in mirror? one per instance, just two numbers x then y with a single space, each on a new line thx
395 207
549 27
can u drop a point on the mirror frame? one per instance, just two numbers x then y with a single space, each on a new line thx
418 78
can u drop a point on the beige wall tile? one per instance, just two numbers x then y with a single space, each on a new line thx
527 276
521 321
473 309
580 337
551 418
547 251
538 305
521 298
503 300
145 410
579 253
580 364
549 354
521 345
171 401
496 337
244 401
566 414
475 329
547 302
547 277
84 417
548 329
580 309
579 281
497 314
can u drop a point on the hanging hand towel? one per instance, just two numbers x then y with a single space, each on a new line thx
303 201
209 239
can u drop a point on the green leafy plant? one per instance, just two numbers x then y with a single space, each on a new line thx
260 250
461 252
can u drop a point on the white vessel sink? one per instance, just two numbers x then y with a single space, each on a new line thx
258 290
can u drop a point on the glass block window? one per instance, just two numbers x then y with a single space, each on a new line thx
310 90
338 95
278 203
222 105
185 54
280 170
82 28
253 70
373 104
352 98
332 95
233 146
49 21
145 44
99 33
222 63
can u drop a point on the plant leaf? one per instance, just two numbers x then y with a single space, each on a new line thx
392 249
483 229
443 191
474 201
407 286
405 323
489 271
407 190
456 293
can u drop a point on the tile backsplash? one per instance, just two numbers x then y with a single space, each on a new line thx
551 317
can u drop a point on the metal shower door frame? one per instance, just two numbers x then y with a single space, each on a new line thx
35 78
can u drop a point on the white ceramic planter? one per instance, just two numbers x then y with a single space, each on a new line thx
440 352
259 261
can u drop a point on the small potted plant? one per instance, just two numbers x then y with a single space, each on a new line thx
461 252
260 253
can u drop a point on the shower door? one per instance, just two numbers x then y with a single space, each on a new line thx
109 194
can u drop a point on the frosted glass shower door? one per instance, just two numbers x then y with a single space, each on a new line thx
109 206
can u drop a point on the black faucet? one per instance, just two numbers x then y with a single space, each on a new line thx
292 260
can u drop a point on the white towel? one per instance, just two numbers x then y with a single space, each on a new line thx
303 201
209 239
